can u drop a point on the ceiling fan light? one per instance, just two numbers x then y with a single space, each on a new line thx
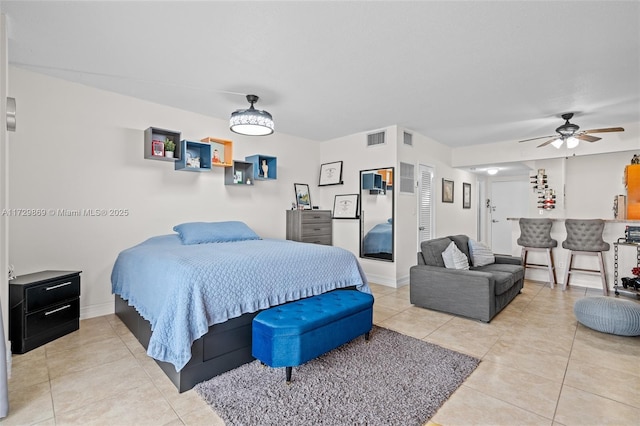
251 122
557 143
572 142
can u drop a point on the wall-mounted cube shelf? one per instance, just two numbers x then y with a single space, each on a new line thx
374 183
221 150
241 173
196 156
259 162
157 135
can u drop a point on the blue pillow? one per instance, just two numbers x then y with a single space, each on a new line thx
214 232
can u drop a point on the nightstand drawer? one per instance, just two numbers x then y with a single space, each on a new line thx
53 316
51 293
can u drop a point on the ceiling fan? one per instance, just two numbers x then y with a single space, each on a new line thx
570 134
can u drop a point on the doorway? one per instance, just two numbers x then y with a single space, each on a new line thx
509 199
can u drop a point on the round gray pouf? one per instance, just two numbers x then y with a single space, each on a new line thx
609 315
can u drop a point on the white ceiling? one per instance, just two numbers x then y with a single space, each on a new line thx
462 73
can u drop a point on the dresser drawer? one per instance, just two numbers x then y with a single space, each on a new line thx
316 217
312 229
317 239
51 293
53 316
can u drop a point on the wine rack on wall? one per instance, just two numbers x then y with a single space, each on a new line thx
546 196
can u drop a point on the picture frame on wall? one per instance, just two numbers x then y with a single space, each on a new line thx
447 191
345 206
303 197
331 174
466 195
157 148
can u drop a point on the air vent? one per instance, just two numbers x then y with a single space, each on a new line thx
406 178
408 139
375 139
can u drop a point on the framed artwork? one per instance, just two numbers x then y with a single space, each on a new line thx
345 206
303 197
331 174
447 191
157 148
466 195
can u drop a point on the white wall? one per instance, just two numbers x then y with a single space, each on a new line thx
352 150
81 148
449 218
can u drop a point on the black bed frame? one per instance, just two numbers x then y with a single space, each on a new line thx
225 346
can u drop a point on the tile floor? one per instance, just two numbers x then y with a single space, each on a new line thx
538 367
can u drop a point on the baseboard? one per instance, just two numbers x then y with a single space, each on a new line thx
96 310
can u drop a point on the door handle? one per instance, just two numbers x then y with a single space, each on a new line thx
494 221
421 228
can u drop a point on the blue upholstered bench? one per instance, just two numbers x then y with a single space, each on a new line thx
294 333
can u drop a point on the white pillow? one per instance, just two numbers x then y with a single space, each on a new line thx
480 254
454 258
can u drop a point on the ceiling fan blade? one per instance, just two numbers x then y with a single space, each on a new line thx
609 129
547 142
587 138
541 137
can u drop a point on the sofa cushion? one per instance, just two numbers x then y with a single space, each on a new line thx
453 258
432 251
462 241
504 281
516 270
480 254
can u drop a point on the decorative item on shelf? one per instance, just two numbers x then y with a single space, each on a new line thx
251 122
331 174
632 234
635 159
216 156
169 148
632 282
264 168
157 148
620 207
345 206
303 197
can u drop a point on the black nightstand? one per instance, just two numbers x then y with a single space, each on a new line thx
43 306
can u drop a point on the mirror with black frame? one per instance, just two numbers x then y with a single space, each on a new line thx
376 214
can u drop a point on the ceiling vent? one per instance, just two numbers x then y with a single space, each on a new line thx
375 139
408 139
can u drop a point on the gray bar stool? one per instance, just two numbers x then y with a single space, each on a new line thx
535 235
584 236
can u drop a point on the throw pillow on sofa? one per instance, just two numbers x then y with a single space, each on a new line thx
453 258
480 254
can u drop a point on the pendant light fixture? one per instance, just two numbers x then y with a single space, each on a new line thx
251 122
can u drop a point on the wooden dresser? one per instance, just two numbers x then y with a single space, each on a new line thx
310 226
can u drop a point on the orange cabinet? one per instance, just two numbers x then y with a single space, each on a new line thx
632 182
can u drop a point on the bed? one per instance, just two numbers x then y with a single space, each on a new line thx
190 297
379 240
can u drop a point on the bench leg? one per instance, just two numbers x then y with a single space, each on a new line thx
366 336
288 373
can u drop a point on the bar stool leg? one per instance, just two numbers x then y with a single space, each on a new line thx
565 284
603 276
552 268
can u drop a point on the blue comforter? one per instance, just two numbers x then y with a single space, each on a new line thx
183 289
378 239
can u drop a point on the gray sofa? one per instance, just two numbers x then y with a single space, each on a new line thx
478 293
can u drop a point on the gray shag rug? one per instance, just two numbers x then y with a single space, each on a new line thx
391 380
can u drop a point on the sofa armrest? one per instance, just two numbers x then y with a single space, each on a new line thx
503 258
460 292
